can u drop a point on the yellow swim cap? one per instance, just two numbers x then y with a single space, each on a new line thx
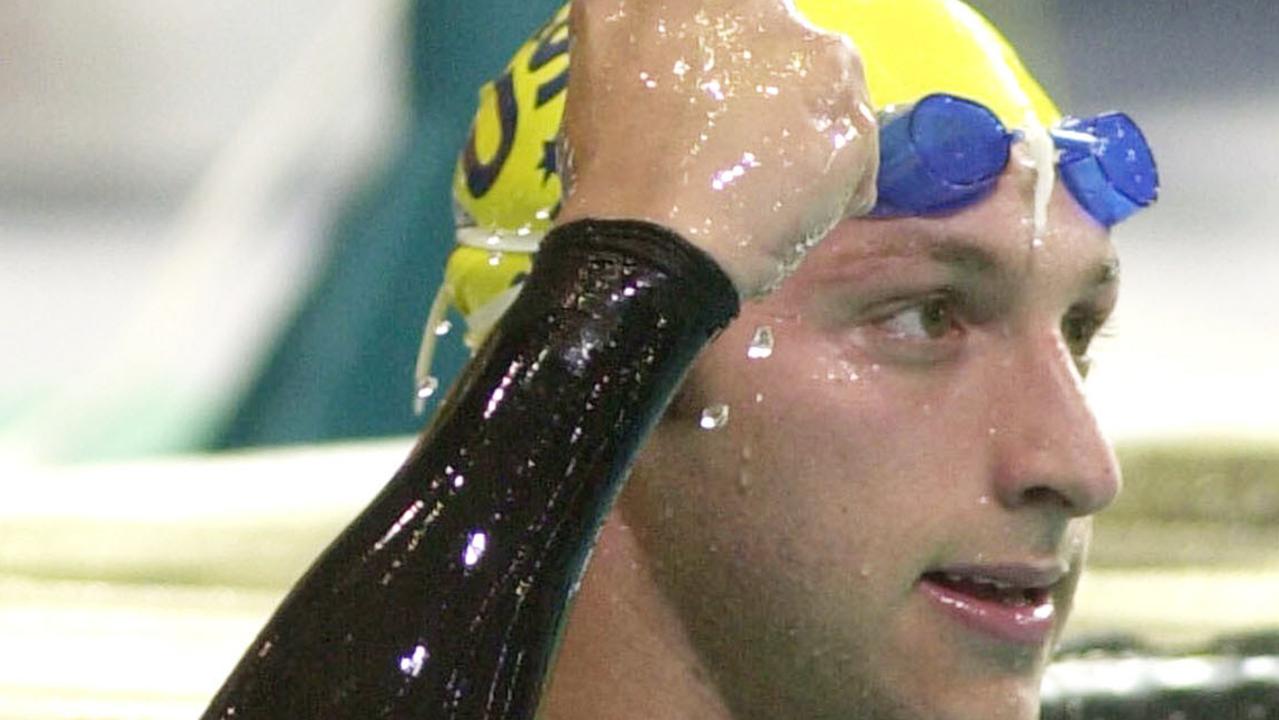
912 48
505 185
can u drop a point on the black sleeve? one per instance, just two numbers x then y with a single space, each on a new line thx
446 596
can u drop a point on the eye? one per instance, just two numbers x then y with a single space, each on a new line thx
930 319
1078 328
920 329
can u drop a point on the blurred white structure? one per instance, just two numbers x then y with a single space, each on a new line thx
168 176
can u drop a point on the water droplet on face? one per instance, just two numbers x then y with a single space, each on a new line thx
850 372
714 417
759 397
761 343
443 328
1078 543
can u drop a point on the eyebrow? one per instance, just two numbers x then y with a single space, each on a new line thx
964 254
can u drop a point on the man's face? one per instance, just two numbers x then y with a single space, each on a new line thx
918 431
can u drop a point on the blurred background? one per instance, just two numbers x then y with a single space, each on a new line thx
222 225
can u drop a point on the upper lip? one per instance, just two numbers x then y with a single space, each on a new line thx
1016 574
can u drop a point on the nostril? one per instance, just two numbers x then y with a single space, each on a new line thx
1043 495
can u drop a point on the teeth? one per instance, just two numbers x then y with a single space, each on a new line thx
997 584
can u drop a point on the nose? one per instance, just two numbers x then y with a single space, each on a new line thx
1048 448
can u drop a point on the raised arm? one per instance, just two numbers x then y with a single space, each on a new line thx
445 597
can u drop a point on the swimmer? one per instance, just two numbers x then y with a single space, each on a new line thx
887 513
892 520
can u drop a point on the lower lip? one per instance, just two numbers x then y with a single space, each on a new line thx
1019 624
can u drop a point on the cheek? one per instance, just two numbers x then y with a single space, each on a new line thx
836 454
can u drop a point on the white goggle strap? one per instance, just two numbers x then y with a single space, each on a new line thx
479 322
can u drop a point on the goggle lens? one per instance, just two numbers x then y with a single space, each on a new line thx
1113 176
946 152
943 152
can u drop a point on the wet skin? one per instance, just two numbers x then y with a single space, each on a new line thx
922 411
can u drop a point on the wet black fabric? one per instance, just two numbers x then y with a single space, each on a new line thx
445 597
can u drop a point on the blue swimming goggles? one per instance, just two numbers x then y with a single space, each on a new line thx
946 152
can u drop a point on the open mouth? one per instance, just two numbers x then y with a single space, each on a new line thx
1008 610
989 589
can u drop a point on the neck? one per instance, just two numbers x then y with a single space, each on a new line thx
625 654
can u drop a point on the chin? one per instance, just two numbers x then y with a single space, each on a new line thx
1005 701
955 681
